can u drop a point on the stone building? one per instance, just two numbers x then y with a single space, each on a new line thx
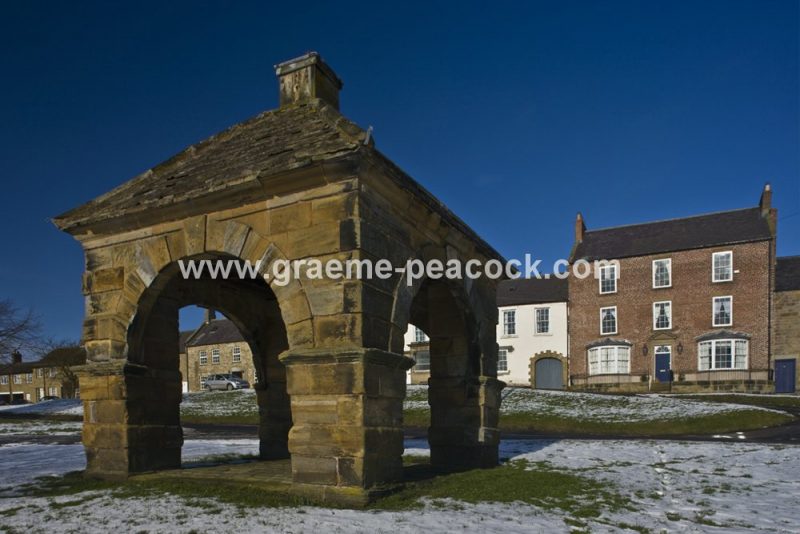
685 304
54 375
215 347
296 183
786 325
531 332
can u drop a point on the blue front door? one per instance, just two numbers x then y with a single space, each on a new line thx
785 376
663 364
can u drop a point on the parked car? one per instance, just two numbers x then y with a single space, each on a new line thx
228 382
49 398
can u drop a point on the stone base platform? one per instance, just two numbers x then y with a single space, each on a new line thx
273 477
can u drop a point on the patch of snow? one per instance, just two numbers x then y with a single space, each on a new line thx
52 407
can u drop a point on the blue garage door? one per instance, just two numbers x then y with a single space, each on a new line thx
549 374
785 372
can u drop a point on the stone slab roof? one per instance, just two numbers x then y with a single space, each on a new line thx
273 142
709 230
531 291
787 274
216 332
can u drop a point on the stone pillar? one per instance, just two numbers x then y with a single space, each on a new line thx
131 419
347 406
464 417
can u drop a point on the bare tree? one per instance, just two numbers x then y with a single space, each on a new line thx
19 329
63 355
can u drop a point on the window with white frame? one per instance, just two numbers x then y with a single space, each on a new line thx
53 372
722 266
723 311
613 359
423 359
662 273
722 354
29 378
509 322
662 315
608 320
419 335
203 357
542 325
608 278
502 360
40 372
4 380
214 355
52 391
236 354
18 379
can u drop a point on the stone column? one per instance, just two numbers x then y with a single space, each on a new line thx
347 406
464 417
131 419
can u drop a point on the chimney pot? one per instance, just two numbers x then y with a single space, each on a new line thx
765 203
307 77
210 315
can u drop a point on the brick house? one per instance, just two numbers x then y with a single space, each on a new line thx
216 347
51 376
684 304
786 325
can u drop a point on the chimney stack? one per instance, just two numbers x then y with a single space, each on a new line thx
16 357
210 315
580 228
307 77
765 203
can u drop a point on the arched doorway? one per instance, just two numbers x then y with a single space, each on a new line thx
153 345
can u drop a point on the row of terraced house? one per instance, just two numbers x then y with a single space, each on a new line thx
693 304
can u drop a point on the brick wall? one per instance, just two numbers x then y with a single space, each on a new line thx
691 295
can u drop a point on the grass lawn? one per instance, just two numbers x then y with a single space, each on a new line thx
775 402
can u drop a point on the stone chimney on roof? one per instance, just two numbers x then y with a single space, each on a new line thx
211 315
580 228
307 77
16 357
765 203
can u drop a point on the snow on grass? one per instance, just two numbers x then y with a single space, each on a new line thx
675 486
52 407
595 407
40 428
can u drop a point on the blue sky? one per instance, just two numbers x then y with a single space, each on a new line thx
517 115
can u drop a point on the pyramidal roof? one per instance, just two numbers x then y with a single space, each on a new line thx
289 138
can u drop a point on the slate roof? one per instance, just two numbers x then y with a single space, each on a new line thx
531 291
216 332
63 356
709 230
787 273
273 142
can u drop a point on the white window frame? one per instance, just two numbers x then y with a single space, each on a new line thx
202 357
655 315
216 357
536 331
596 353
713 266
18 379
40 372
502 363
52 391
669 271
616 321
714 311
600 278
4 380
29 378
712 358
420 336
427 366
236 354
506 323
53 372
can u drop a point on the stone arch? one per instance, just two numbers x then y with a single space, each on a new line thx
544 355
459 317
